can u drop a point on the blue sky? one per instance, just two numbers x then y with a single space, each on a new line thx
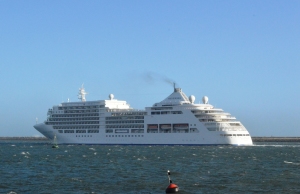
243 55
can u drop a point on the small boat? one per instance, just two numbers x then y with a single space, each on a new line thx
54 142
54 146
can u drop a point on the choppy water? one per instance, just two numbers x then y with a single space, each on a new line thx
37 168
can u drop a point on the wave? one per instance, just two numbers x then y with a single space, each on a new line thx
294 163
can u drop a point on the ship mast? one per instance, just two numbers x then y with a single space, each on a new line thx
81 94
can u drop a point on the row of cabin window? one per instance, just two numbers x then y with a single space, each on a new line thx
225 129
78 131
211 111
124 118
75 123
77 119
80 111
124 126
124 131
234 135
130 121
162 108
83 127
124 136
165 112
128 113
217 124
80 107
75 115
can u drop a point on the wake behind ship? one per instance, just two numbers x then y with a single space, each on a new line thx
177 120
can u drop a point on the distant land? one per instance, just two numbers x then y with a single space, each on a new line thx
25 138
276 139
254 139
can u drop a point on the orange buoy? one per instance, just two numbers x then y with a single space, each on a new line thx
172 188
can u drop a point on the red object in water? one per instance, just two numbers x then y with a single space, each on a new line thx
172 188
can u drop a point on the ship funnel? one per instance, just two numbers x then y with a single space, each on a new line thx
174 86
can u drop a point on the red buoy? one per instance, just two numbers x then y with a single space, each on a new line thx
172 188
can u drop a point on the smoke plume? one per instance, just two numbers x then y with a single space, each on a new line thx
151 77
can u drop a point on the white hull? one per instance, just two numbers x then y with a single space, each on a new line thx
203 137
145 138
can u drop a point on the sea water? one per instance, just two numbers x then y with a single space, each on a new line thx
27 167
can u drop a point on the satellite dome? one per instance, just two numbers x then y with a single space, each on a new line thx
111 96
192 99
205 99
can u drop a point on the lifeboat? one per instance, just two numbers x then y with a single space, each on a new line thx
165 126
181 126
152 126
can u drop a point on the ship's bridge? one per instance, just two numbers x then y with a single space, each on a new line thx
116 104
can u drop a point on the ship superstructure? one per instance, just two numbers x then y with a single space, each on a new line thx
177 120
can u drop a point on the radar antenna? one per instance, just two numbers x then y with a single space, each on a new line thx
81 94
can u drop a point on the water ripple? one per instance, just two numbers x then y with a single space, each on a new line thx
37 168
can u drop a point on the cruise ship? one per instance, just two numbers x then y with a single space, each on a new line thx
176 120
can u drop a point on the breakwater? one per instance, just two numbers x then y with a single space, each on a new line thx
25 138
276 139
